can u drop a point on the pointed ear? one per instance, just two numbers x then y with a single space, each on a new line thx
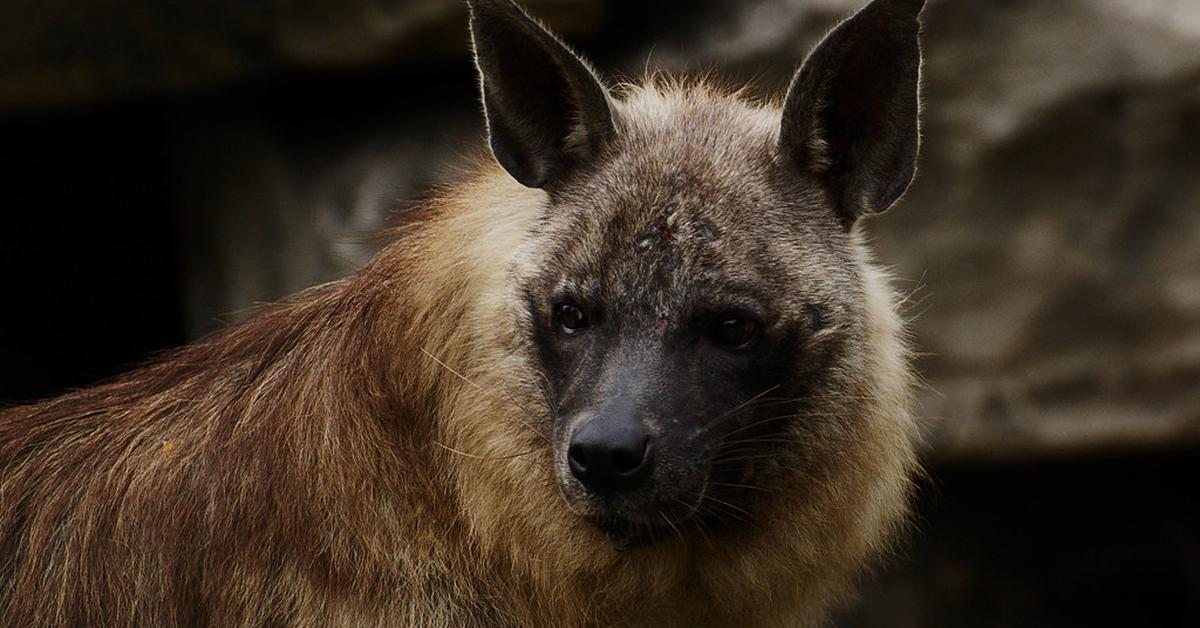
850 116
546 111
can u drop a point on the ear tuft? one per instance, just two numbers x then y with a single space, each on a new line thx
546 111
851 114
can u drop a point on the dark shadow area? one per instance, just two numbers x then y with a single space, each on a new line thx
89 253
1072 543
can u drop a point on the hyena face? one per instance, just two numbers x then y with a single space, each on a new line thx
681 310
692 295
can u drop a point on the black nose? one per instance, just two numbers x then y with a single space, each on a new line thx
610 455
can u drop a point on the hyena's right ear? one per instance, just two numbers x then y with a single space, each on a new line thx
850 117
546 111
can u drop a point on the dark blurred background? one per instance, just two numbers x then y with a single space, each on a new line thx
166 165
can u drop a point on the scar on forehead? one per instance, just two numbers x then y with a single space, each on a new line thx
658 231
663 230
661 326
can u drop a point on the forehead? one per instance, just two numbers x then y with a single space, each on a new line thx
689 209
692 148
682 211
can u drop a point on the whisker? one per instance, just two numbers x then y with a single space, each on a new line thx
761 440
479 457
490 392
728 460
759 402
717 421
778 417
729 510
735 485
718 500
672 526
759 422
702 527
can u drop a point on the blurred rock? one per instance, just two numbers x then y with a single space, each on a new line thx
1055 227
273 202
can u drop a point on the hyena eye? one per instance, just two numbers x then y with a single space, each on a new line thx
736 331
570 318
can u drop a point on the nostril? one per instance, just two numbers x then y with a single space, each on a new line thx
577 457
630 458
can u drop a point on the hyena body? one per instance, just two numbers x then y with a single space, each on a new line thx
644 374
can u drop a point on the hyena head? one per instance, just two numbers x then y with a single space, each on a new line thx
693 296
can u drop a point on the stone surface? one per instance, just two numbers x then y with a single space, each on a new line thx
273 206
1055 226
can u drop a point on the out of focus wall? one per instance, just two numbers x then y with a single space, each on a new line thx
1049 249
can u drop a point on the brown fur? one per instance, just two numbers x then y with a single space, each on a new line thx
368 453
288 470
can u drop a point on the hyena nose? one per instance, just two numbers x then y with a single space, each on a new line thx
609 456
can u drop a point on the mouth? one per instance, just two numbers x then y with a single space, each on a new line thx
718 509
628 522
626 534
711 516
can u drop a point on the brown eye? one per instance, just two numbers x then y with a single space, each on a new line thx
570 318
736 331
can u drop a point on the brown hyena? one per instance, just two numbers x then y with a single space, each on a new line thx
642 372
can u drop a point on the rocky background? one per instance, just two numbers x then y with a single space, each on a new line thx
167 165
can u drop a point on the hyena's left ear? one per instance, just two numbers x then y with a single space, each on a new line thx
850 117
546 111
